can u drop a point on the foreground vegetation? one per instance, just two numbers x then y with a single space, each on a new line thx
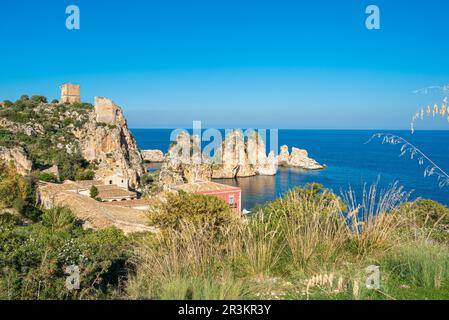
309 244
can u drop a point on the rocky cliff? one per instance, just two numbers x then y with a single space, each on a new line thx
106 139
153 156
18 156
77 137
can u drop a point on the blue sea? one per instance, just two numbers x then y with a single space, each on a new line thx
351 163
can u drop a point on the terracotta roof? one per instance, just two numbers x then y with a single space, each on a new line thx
112 192
132 203
204 186
87 184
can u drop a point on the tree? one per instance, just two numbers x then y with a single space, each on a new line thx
8 104
39 99
94 192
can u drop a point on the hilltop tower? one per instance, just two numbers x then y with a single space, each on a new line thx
70 93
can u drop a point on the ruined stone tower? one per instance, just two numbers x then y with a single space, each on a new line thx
70 93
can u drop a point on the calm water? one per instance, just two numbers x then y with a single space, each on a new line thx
350 162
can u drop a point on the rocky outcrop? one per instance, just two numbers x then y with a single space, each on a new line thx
106 139
17 156
184 163
153 155
239 158
234 158
298 159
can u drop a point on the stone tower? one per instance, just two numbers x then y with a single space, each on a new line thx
70 93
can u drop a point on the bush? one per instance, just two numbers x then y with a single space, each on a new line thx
8 104
191 207
94 192
39 99
33 259
45 176
84 174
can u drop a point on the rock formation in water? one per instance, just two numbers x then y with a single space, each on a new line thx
156 156
238 158
184 163
234 158
297 159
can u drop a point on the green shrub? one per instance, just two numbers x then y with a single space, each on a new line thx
191 207
39 99
419 264
46 176
8 104
93 192
33 259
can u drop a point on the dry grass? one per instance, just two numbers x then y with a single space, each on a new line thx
320 243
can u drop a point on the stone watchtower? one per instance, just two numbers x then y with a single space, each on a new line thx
70 93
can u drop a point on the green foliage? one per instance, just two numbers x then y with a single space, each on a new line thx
9 219
45 176
39 99
8 104
106 125
58 219
33 259
191 207
17 191
419 264
84 174
93 192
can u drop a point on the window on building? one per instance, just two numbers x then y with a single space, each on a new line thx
110 181
231 201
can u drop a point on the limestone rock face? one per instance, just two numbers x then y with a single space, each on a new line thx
153 155
284 156
18 156
184 163
231 158
112 145
270 167
298 159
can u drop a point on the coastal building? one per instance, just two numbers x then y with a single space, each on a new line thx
118 180
70 93
231 195
106 192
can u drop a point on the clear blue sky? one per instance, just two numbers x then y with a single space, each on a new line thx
233 63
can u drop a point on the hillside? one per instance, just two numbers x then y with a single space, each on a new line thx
82 140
